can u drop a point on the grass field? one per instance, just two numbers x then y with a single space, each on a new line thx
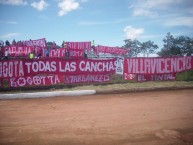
130 85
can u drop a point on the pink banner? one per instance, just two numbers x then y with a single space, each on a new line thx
150 77
156 77
39 80
111 50
51 71
76 53
57 66
157 65
38 42
19 50
58 52
79 45
86 78
130 76
73 53
43 80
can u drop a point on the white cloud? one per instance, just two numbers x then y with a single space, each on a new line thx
170 13
161 4
67 6
150 8
180 21
10 35
9 22
83 1
133 33
14 2
143 12
41 5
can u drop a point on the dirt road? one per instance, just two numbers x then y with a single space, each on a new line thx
145 118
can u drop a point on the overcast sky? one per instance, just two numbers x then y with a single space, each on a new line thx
108 22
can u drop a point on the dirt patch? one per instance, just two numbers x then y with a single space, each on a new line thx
188 137
145 118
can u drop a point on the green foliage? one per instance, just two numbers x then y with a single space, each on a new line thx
49 45
136 47
133 47
185 76
118 79
185 45
179 46
148 47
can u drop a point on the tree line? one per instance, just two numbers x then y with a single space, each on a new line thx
173 46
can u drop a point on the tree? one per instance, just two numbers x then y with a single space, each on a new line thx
180 46
148 48
49 45
185 45
168 45
133 47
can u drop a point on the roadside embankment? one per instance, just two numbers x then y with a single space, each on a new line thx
100 89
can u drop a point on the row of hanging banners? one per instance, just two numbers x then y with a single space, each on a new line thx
75 49
24 51
54 71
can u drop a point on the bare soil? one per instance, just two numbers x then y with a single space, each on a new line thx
144 118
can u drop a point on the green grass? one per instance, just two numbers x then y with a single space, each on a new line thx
117 86
136 85
185 76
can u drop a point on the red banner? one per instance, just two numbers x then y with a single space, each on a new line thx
130 76
158 65
79 45
23 51
51 71
22 68
111 50
58 52
86 78
38 42
19 50
42 80
39 80
73 53
76 53
156 77
150 77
